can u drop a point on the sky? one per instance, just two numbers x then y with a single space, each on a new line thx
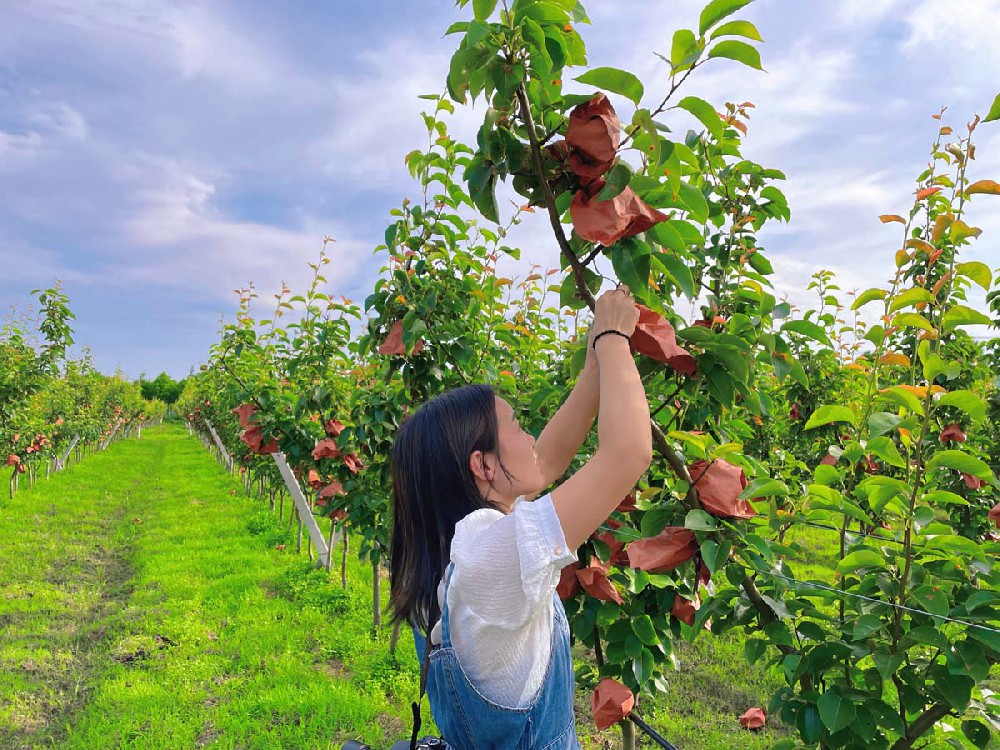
155 155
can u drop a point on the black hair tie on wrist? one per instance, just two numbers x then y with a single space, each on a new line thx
593 344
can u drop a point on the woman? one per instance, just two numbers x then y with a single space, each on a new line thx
480 569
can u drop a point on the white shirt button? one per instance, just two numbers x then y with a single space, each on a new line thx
558 550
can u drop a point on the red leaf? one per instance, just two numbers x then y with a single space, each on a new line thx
607 222
794 412
655 337
593 135
326 448
254 439
683 609
13 460
952 434
569 584
927 193
719 485
829 460
610 703
665 551
754 718
333 427
594 580
393 343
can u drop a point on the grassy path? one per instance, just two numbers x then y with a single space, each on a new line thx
146 603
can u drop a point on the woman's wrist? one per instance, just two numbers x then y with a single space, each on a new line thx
609 334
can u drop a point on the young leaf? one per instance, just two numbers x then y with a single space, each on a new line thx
716 10
483 9
739 51
682 46
737 28
614 80
988 187
977 271
994 113
831 413
809 329
867 296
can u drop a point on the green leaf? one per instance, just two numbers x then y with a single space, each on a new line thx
912 320
699 520
962 461
809 329
614 80
903 397
734 49
960 315
705 113
867 296
695 201
642 626
831 413
885 449
994 113
679 271
753 649
977 732
737 28
943 497
909 298
616 180
967 401
930 599
978 272
865 626
681 47
642 668
882 422
835 710
483 9
716 10
809 724
764 487
864 558
630 260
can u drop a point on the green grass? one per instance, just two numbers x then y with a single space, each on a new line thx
145 602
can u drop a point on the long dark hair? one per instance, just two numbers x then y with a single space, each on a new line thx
433 488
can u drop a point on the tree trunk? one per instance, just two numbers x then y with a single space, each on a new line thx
628 734
394 640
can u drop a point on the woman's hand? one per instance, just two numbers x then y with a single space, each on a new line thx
615 311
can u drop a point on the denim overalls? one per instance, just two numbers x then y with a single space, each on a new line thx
470 721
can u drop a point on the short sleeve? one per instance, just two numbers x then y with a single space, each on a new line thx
507 567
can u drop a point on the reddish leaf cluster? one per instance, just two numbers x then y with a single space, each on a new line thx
326 448
665 551
719 485
252 434
610 703
590 148
972 482
393 344
994 515
627 504
13 459
655 337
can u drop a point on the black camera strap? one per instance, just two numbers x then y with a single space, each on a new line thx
423 689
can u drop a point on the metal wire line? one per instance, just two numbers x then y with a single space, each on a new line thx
824 587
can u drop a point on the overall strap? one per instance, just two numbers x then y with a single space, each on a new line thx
423 688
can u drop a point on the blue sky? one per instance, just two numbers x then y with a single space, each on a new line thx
155 155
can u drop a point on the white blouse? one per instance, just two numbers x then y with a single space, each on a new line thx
506 569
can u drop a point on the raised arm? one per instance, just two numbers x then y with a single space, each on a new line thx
564 434
625 445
